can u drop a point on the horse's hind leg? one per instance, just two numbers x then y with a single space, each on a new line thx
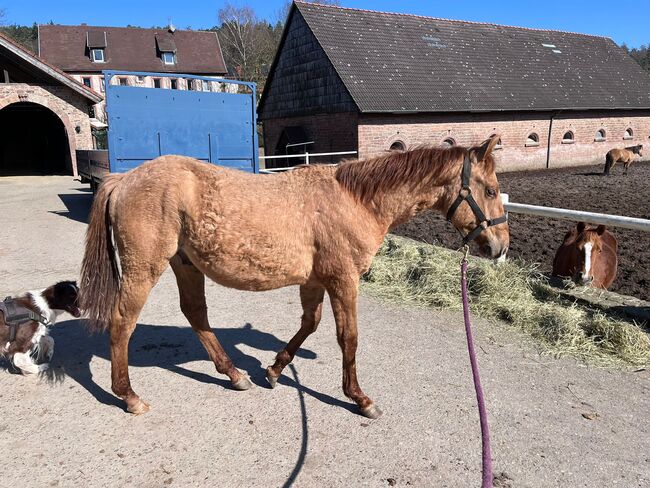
133 293
191 287
311 298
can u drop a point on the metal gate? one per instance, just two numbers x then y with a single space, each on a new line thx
215 127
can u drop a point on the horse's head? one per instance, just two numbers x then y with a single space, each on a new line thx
639 150
588 244
494 240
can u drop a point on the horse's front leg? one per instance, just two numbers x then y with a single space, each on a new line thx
343 296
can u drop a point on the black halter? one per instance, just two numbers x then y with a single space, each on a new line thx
465 194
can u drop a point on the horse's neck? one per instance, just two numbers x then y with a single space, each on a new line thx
396 207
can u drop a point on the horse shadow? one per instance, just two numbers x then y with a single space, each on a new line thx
167 347
77 205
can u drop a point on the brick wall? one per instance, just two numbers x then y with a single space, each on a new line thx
69 106
376 133
330 132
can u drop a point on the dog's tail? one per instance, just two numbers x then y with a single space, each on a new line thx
609 160
100 275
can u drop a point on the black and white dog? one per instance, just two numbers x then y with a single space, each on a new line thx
24 338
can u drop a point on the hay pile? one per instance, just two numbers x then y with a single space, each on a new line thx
409 271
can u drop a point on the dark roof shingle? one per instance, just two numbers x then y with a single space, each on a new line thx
130 49
407 63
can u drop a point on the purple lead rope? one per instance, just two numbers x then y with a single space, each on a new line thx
485 431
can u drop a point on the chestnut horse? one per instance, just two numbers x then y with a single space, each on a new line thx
317 227
622 156
588 255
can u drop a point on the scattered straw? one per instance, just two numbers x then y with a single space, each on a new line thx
409 271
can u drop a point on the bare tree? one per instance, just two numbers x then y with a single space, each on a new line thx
3 15
238 38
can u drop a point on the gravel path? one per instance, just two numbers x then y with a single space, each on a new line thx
554 423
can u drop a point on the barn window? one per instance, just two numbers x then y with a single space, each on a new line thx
600 135
189 85
448 142
86 81
532 140
123 81
397 146
568 138
629 134
173 83
156 82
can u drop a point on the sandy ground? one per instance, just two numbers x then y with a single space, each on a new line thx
555 423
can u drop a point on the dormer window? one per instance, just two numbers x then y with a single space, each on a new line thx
97 55
169 58
166 46
96 44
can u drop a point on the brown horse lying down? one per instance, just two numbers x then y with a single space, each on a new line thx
622 156
317 227
588 255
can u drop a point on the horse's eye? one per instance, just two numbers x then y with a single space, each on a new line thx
491 192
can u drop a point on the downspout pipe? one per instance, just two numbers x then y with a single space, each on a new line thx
548 144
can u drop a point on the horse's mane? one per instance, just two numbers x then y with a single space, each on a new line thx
367 178
633 148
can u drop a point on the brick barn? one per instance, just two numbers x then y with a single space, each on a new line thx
346 79
44 114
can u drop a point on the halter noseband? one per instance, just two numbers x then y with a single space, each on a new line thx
465 194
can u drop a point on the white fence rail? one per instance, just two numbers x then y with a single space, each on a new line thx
576 215
520 208
307 156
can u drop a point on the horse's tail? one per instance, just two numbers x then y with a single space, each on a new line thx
609 160
100 275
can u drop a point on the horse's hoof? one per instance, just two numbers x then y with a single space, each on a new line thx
372 412
271 378
242 384
138 408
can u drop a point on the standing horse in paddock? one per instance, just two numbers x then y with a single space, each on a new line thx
588 255
317 227
625 156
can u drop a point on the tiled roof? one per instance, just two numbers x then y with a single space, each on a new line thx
130 48
48 70
407 63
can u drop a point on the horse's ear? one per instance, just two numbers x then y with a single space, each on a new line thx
581 226
600 230
484 150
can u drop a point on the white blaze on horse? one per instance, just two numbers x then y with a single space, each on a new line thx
317 227
589 255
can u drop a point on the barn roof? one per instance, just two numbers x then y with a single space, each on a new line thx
130 48
16 54
407 63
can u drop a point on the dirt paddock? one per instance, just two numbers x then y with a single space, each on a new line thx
536 239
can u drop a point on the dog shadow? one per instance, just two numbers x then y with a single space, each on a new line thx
167 347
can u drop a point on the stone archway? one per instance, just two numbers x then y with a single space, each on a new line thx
34 140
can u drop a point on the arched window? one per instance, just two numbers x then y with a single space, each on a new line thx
397 146
448 142
600 135
532 140
568 138
629 134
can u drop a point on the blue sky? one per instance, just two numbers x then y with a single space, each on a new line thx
626 21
